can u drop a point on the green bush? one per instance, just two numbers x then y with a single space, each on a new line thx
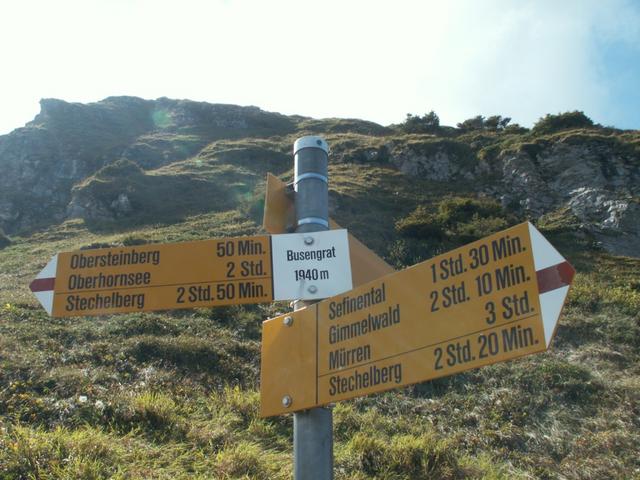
420 224
493 123
496 122
454 210
455 218
515 128
428 123
479 227
562 121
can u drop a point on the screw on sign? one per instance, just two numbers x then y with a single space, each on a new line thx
493 300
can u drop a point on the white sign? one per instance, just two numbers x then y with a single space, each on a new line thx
310 265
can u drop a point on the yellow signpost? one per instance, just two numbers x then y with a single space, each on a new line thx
154 277
279 216
493 300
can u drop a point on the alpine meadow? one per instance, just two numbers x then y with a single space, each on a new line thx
175 394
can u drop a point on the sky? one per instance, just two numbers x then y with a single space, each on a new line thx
374 60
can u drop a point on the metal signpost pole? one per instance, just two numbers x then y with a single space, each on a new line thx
312 429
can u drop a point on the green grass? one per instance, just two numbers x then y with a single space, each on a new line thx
173 394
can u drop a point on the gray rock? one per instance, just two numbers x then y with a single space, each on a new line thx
524 185
613 219
597 183
436 167
68 142
436 160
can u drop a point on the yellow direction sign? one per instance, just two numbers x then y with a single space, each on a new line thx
279 217
204 273
156 277
493 300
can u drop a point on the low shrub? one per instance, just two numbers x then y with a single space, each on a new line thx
420 224
562 121
457 219
428 123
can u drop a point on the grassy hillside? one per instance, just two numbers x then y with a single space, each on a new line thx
174 395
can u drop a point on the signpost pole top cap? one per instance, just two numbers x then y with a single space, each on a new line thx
310 141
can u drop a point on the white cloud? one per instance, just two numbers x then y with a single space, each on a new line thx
372 60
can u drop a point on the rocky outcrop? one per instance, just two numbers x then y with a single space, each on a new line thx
38 172
438 160
64 144
612 217
523 185
554 176
597 179
122 192
68 142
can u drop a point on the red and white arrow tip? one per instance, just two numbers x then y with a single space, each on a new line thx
554 276
44 283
